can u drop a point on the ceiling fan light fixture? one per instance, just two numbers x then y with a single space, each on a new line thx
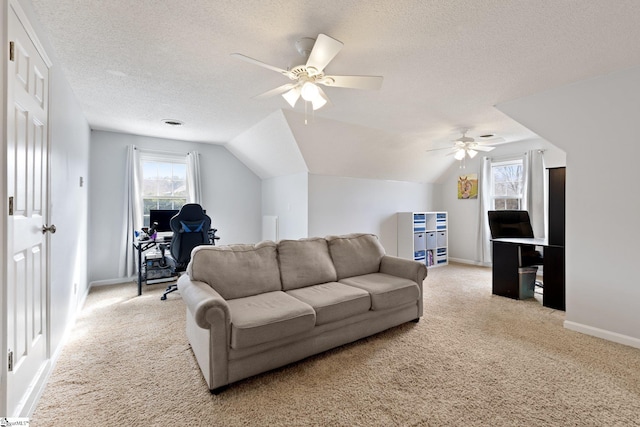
310 91
318 102
471 153
459 155
292 96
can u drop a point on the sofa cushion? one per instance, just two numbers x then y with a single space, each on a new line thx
333 301
305 262
355 254
268 317
236 271
386 291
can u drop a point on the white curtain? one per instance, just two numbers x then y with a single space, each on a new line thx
484 234
132 215
194 187
534 197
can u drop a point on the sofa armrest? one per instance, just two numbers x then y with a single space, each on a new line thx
406 268
204 302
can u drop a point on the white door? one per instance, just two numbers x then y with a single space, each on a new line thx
27 160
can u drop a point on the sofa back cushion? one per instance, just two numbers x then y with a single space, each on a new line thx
355 254
305 262
236 271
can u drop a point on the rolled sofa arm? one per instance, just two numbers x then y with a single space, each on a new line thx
203 302
406 268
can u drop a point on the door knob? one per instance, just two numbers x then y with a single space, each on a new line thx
51 229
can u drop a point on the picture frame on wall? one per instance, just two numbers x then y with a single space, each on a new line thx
468 186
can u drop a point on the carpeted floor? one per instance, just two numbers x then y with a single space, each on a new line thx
473 360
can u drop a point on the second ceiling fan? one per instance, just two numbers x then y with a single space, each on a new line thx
465 146
306 78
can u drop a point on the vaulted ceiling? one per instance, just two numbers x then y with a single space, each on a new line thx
446 64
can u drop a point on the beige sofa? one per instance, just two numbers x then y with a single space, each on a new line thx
252 308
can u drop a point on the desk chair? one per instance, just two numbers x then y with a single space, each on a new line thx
512 223
191 227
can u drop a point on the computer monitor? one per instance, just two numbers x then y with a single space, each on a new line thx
162 217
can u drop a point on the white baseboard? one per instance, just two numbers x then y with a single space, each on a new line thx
113 281
602 333
469 262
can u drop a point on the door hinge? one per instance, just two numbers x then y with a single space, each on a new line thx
10 205
12 51
10 360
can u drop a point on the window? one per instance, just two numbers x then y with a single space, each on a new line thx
164 183
508 184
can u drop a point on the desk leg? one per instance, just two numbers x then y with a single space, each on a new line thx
506 281
553 295
139 271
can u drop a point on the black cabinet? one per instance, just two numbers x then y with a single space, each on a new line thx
554 254
556 205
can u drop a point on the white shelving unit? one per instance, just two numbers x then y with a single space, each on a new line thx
422 236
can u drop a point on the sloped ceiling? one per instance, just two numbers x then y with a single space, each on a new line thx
269 148
445 65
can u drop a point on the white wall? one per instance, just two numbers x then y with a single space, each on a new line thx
341 205
595 122
464 215
69 137
231 195
287 198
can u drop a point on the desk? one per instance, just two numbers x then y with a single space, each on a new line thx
142 246
505 270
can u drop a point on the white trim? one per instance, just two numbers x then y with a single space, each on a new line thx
107 282
15 5
159 155
469 262
602 333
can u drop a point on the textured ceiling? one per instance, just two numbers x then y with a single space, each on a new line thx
445 65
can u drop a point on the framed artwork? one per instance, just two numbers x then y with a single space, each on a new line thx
468 186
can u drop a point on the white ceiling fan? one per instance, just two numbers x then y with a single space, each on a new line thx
465 146
307 77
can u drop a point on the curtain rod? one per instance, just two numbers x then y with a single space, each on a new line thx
513 156
153 151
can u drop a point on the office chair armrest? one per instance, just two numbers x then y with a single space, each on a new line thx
405 268
203 301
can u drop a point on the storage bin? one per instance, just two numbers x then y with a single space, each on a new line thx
419 242
442 239
431 240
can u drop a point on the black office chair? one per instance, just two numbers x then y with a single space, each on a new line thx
191 227
513 223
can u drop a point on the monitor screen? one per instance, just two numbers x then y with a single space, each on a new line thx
162 217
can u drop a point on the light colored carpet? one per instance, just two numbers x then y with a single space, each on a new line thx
473 360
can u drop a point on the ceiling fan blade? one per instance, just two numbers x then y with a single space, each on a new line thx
491 141
439 149
324 50
482 148
353 82
261 64
276 91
